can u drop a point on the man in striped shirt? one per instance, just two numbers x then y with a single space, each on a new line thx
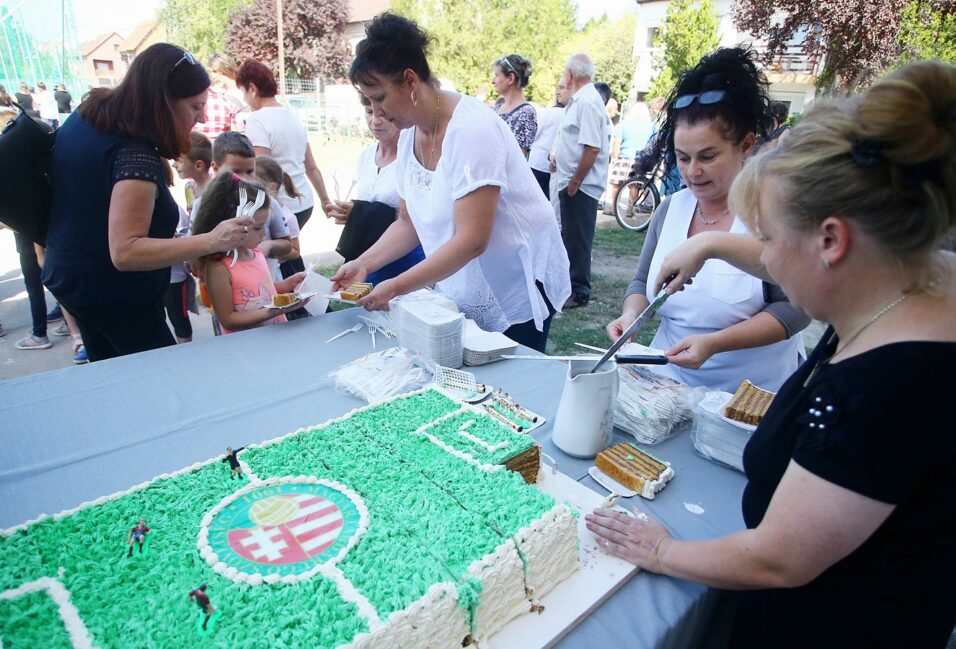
581 155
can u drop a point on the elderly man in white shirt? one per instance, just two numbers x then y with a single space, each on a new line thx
582 152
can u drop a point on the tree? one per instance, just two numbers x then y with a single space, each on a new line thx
314 36
856 38
927 32
610 44
688 34
197 24
470 35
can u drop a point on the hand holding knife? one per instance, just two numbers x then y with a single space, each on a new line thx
632 330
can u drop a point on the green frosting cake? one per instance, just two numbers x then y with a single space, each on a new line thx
396 525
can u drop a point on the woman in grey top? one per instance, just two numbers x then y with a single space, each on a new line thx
728 326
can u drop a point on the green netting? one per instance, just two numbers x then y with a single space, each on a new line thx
38 42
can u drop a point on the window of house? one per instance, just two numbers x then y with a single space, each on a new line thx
102 67
651 36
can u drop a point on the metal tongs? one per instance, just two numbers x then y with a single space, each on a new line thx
246 208
629 333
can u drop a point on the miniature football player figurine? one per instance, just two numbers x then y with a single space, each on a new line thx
137 534
202 599
233 462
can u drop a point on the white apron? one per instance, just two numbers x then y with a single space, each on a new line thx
720 296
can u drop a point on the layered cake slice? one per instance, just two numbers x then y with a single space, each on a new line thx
284 299
634 469
356 291
749 404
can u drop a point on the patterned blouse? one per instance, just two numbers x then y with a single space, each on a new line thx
523 122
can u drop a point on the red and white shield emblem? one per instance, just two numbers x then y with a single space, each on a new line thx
289 528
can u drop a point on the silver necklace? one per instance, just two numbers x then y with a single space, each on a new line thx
889 307
700 215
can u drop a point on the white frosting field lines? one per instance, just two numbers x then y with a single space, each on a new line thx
79 635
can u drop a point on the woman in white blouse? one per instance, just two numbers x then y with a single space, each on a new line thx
377 184
275 132
466 195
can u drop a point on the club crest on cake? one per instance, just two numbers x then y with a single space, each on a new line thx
281 527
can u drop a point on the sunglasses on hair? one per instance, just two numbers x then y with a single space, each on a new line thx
187 57
504 61
703 98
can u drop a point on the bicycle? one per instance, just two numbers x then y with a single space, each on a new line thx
638 198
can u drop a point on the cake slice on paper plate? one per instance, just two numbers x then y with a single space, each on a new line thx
635 469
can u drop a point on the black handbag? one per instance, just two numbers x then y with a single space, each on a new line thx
26 184
367 222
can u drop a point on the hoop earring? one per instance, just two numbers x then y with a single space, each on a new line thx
414 98
825 263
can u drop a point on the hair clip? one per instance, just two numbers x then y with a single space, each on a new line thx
866 153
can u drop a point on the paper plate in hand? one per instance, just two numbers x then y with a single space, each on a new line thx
337 296
299 299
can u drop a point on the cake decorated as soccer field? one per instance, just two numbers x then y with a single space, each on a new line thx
397 525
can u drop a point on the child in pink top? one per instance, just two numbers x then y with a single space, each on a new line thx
239 284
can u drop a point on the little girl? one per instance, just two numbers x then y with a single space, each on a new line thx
239 284
273 177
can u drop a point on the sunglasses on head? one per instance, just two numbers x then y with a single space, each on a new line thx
187 57
703 98
504 61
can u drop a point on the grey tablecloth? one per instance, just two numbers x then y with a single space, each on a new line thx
70 436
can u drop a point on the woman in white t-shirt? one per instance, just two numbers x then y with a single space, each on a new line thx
275 132
376 184
467 196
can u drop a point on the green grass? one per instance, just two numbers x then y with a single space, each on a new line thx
614 259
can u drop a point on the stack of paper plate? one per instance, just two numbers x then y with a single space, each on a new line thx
482 347
717 437
431 330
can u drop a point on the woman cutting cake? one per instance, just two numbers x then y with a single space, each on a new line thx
849 501
467 196
728 326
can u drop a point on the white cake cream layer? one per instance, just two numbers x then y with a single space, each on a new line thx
550 550
503 595
652 487
436 621
549 546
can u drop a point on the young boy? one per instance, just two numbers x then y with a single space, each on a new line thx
234 152
193 167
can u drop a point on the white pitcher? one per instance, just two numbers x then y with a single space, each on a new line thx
585 417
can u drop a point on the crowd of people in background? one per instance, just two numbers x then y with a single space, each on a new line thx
235 100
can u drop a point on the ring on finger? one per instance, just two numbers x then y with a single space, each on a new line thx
245 229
